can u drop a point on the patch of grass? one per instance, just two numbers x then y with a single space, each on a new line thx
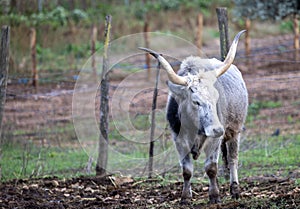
290 119
29 160
267 156
256 106
141 122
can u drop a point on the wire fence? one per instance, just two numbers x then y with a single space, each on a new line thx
44 118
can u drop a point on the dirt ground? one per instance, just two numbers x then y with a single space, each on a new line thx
275 80
124 192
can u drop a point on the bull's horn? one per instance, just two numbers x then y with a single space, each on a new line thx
230 56
173 77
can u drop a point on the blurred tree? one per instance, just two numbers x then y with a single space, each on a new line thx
4 6
268 10
265 10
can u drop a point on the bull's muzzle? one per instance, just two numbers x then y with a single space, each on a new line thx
214 131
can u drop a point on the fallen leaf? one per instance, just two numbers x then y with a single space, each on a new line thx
55 183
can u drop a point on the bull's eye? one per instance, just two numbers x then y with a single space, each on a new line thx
196 103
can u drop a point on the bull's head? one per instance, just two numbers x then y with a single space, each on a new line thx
196 94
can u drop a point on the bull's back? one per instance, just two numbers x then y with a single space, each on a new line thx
233 96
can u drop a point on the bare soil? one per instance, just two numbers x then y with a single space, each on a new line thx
124 192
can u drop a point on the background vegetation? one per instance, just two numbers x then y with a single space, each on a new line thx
64 27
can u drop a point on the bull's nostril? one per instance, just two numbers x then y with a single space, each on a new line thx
218 131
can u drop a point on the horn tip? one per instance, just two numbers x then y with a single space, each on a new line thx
236 38
153 53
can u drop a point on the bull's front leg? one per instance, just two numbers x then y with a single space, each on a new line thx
212 150
187 173
183 147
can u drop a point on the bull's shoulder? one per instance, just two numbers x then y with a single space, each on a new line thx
173 115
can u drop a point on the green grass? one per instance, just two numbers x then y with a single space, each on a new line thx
29 160
258 156
267 156
255 107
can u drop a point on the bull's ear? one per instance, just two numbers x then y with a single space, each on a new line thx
178 90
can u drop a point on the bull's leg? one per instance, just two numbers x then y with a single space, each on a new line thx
212 150
232 154
187 173
225 159
183 147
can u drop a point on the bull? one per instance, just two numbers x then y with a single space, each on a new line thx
206 109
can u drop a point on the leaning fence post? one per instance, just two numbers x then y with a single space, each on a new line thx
4 54
223 28
103 139
152 130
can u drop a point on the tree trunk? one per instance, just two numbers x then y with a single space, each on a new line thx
103 139
4 55
223 28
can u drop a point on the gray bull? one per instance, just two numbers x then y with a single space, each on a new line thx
206 110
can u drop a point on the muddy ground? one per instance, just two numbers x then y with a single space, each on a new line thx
124 192
271 74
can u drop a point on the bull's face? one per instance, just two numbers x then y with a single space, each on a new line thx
198 105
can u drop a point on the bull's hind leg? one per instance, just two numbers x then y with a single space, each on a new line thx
232 157
212 150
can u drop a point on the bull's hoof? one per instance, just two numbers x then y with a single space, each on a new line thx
186 194
235 190
185 201
214 199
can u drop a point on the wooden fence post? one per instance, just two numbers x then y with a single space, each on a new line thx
223 28
104 109
33 57
152 130
199 33
4 55
93 49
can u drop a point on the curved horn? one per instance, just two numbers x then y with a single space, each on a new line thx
173 77
230 56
